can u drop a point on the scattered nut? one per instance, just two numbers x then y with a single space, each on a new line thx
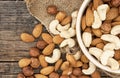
35 63
42 61
47 38
27 37
28 71
47 70
96 41
115 3
77 72
41 44
84 59
97 32
40 76
24 62
60 16
58 64
96 74
66 20
64 76
117 54
52 9
20 75
57 39
54 75
106 27
34 52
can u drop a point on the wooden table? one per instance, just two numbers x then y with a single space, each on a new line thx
14 19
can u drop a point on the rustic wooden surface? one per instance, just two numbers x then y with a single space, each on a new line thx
14 19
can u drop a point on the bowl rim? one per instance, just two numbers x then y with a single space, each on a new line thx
81 44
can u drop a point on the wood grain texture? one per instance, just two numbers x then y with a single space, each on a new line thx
15 19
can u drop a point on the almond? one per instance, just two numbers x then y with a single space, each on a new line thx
49 49
24 62
106 27
83 23
100 45
97 32
57 39
40 76
37 30
88 29
60 15
65 65
78 64
96 41
96 74
47 38
27 37
58 64
84 59
112 14
42 61
47 70
96 3
117 19
66 20
67 71
71 59
89 16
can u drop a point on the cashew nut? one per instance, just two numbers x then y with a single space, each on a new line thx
113 39
114 65
95 52
109 46
97 21
74 18
56 56
90 70
115 30
77 55
87 38
102 10
52 27
70 42
68 34
63 28
105 56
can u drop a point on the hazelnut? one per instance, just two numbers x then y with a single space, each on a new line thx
41 44
96 74
34 52
77 72
117 55
20 75
64 76
84 76
54 75
35 63
52 9
31 77
106 27
85 66
115 3
28 71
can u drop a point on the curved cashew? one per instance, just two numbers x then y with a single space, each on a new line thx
87 38
70 42
95 52
52 27
109 46
68 34
115 30
113 39
56 56
102 10
74 18
105 56
63 28
90 70
77 55
114 65
97 21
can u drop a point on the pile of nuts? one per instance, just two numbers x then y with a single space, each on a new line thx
56 55
100 27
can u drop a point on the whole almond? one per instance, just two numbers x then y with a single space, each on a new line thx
40 76
97 32
24 62
48 49
112 14
37 30
58 64
89 16
67 71
83 23
71 59
42 61
47 70
60 15
65 65
66 20
47 38
96 41
96 3
79 64
84 59
57 39
27 37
